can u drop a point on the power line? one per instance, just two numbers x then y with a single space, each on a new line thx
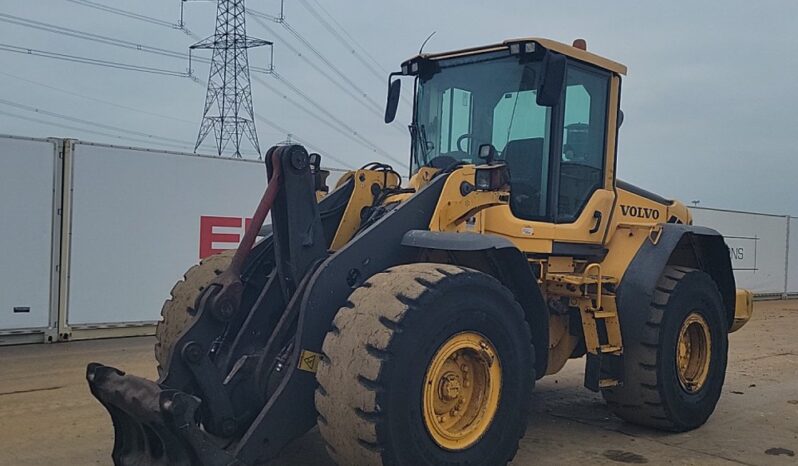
130 45
106 40
86 122
283 130
332 67
87 35
95 99
127 67
91 61
160 146
352 39
169 53
374 106
349 42
137 16
126 13
318 68
346 128
342 127
139 47
326 121
305 143
335 69
369 102
375 70
92 131
349 131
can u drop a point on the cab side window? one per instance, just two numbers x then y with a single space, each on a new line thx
584 130
455 121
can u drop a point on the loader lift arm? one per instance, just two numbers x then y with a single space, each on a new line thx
252 355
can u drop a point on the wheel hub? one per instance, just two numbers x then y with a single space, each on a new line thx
449 387
461 391
693 353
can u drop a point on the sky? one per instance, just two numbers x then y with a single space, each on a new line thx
709 101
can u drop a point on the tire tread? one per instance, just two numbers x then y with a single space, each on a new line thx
352 412
640 400
176 312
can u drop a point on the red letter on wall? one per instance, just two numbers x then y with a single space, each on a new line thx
208 237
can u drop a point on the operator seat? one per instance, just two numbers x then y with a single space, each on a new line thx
524 159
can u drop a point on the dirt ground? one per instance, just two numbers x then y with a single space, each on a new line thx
47 415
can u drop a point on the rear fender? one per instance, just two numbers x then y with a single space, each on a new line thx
682 245
496 256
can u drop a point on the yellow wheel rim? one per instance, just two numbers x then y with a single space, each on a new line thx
461 390
693 353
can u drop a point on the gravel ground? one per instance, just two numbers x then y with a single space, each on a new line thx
47 415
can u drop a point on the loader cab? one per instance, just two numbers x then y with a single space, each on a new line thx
553 128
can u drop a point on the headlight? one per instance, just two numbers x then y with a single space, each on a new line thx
491 177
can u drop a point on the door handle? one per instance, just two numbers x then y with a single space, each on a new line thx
597 216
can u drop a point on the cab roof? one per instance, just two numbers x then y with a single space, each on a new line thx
549 44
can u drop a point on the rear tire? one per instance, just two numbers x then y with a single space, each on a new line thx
375 370
658 390
178 311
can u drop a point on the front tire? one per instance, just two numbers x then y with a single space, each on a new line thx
426 364
178 311
674 376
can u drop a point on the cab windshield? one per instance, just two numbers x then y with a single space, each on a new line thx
486 99
491 98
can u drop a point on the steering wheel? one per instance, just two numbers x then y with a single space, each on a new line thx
442 161
461 139
525 197
580 170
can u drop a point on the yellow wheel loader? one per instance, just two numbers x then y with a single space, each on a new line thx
411 321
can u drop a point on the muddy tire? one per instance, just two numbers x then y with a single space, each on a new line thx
177 311
674 377
382 355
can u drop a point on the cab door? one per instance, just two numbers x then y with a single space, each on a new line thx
574 192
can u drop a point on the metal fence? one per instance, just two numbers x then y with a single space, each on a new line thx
763 248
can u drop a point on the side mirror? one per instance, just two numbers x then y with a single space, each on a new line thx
394 90
551 85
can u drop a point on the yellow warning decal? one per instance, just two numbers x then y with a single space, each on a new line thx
309 361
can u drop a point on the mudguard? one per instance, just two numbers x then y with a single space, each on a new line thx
678 244
497 256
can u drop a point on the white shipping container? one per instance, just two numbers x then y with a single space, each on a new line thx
792 258
140 218
757 244
27 242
